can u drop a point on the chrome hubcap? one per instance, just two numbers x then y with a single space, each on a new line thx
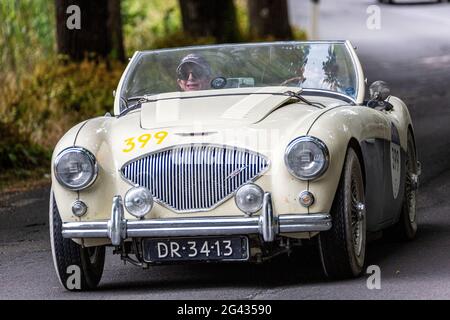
361 210
414 181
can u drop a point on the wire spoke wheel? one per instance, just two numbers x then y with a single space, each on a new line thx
343 248
410 186
357 216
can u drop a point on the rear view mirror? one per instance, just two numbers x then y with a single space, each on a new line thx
379 91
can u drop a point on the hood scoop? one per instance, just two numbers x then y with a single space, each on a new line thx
213 107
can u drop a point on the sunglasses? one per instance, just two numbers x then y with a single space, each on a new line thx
197 72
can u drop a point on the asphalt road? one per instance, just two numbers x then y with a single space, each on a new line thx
412 52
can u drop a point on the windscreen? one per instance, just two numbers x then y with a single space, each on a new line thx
311 66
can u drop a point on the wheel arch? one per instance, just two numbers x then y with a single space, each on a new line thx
410 129
353 142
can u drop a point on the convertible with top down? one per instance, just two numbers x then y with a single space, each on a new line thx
235 153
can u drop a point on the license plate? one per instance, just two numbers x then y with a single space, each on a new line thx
190 249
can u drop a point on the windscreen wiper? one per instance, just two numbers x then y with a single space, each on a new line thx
298 96
146 98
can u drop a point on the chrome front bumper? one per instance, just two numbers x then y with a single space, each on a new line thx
266 225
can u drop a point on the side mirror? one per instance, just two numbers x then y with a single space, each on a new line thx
379 91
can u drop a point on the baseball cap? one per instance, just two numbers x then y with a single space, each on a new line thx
197 60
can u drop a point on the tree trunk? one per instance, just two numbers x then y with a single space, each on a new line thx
98 33
269 19
207 18
114 25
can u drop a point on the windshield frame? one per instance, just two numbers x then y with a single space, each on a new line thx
359 75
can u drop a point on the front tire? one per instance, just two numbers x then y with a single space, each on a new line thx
343 248
71 259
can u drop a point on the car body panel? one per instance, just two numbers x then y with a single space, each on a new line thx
105 136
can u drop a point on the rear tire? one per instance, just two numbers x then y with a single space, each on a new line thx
343 248
69 257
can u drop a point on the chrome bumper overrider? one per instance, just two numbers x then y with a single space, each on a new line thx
267 225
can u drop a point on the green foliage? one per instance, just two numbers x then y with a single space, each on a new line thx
149 24
242 17
17 152
43 95
56 95
27 33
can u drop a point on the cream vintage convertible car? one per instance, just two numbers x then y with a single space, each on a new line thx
235 153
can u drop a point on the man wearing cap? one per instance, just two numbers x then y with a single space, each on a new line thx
194 73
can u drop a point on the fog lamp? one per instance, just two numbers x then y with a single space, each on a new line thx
138 201
249 198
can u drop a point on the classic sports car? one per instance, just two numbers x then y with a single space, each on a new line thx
235 153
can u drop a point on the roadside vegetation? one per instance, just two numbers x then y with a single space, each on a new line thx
43 93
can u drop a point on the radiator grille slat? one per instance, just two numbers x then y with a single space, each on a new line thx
195 177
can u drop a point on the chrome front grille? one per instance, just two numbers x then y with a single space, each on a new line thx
195 177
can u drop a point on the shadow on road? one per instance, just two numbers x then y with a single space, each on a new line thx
303 267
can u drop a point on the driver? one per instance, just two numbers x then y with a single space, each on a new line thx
194 73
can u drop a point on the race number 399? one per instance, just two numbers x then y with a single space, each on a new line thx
141 141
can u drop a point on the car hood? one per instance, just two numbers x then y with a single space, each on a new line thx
268 124
233 107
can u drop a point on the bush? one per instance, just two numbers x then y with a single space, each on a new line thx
39 108
17 152
43 95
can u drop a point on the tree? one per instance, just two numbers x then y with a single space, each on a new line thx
269 18
89 27
207 18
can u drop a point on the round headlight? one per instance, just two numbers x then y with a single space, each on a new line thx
75 168
249 198
306 158
139 201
